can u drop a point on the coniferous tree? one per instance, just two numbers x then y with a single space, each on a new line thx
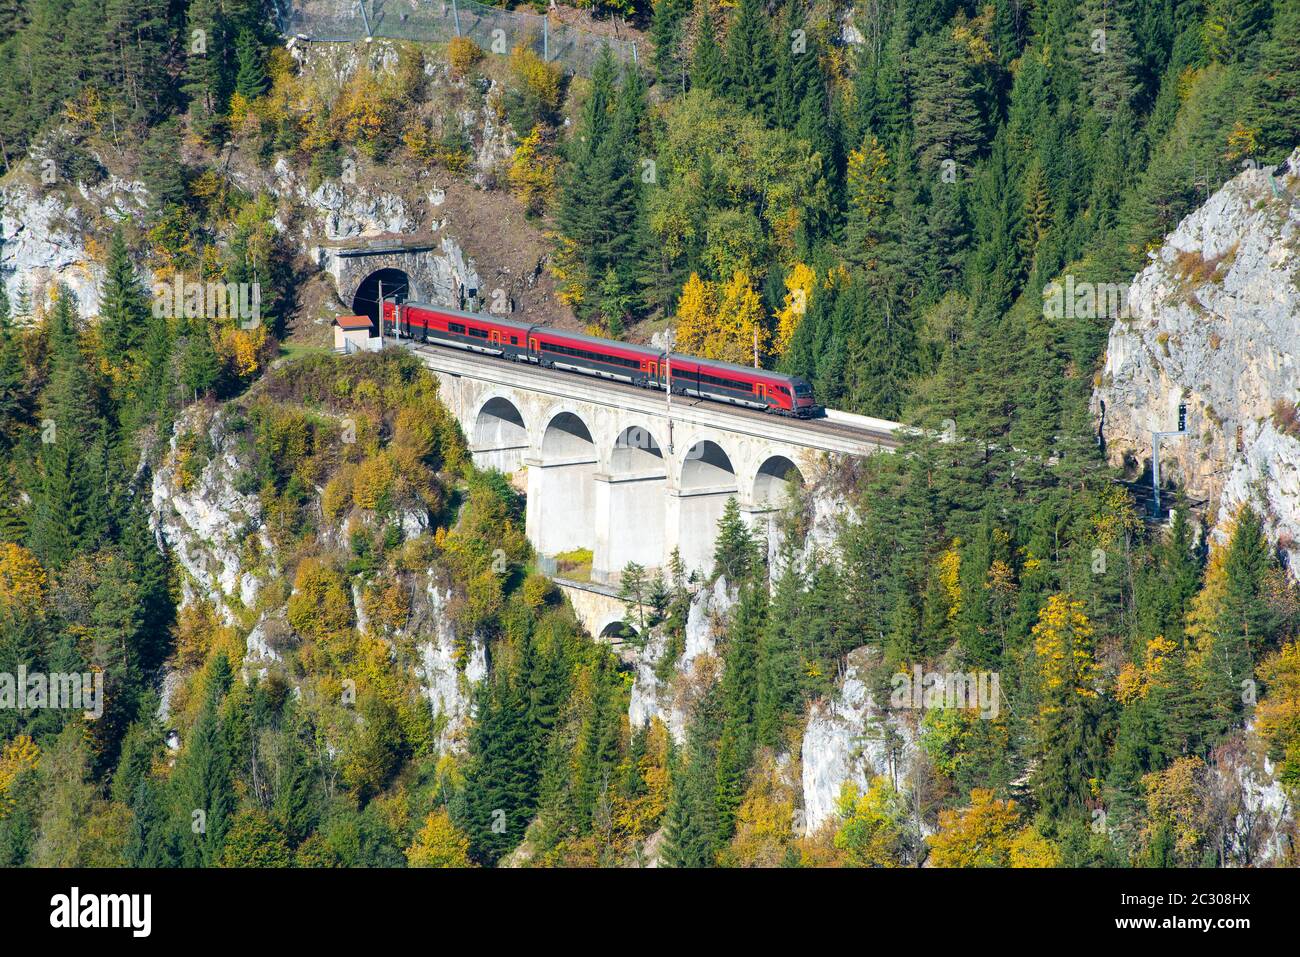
668 33
778 661
706 56
123 314
739 704
750 68
1274 87
204 786
250 78
736 555
12 375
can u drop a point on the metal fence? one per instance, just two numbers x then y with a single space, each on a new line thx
494 29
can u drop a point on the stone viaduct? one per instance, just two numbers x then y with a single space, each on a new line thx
620 471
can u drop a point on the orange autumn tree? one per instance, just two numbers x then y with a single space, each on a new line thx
988 834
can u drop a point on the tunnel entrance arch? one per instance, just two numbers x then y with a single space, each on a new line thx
396 285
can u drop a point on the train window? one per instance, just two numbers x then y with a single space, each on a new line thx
478 333
514 340
802 389
724 383
456 327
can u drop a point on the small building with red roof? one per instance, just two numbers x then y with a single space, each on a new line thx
353 334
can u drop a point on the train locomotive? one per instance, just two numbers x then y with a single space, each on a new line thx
590 355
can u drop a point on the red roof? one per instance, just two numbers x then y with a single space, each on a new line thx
353 322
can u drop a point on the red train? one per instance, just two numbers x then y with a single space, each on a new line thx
590 355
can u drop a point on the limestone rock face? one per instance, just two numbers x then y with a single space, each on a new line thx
446 686
204 519
1213 322
45 232
672 701
848 740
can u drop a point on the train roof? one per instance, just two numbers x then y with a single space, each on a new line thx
480 316
732 366
597 340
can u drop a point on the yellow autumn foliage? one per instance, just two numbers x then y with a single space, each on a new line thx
19 755
532 173
721 323
438 843
374 481
463 53
987 834
1063 645
22 579
798 291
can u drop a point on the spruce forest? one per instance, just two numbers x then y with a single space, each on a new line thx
324 635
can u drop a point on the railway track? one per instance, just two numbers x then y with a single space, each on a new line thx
857 429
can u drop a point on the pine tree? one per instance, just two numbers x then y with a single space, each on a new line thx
1274 87
778 661
123 315
690 817
750 63
739 704
204 785
502 782
668 33
1233 28
200 367
706 57
1103 48
12 376
946 119
250 78
206 79
736 555
1245 622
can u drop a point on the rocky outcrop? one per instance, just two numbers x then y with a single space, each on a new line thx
44 233
1243 779
446 685
849 741
1213 322
672 700
203 518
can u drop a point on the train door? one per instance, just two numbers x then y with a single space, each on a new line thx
760 392
652 370
534 354
494 337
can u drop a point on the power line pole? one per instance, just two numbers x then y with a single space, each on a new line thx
1155 453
